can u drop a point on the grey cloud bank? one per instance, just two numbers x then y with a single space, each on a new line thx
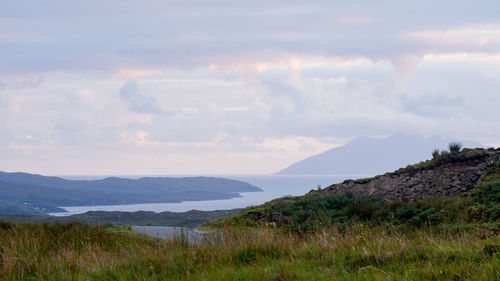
91 35
235 86
138 102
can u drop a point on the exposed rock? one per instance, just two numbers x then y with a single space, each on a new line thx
450 175
257 216
280 219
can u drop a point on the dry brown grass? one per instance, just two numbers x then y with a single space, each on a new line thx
80 252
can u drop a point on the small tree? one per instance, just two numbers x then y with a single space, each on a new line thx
455 146
435 154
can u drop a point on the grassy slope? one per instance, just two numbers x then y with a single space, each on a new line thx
81 252
309 211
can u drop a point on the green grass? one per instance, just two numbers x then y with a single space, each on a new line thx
306 213
123 230
487 194
74 251
302 238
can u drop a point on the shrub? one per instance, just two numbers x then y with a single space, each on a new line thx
307 214
455 146
435 154
417 215
487 205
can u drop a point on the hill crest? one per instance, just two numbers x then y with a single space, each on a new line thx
448 175
371 156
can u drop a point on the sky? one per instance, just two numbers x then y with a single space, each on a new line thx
236 87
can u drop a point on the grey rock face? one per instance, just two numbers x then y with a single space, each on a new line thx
451 175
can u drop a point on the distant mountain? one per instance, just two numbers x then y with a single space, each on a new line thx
145 185
370 156
41 199
23 193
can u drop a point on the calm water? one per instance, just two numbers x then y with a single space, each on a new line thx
171 233
274 186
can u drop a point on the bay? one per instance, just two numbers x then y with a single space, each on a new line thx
273 186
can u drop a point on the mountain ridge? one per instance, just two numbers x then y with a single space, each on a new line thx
33 193
371 156
452 187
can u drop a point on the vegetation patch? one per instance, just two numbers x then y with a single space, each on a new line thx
308 213
75 251
487 196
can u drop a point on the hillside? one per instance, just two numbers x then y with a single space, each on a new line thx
370 156
144 185
8 207
453 188
191 218
23 193
448 175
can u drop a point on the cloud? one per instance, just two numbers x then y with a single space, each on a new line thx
476 38
70 124
245 81
432 106
138 102
71 129
20 82
3 103
278 82
135 73
50 36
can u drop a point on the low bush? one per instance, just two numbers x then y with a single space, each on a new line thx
309 214
455 147
487 197
435 154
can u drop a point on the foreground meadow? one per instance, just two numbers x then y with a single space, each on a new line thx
76 251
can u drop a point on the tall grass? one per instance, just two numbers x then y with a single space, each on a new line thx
454 147
435 154
80 252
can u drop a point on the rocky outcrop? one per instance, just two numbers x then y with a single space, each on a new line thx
449 175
